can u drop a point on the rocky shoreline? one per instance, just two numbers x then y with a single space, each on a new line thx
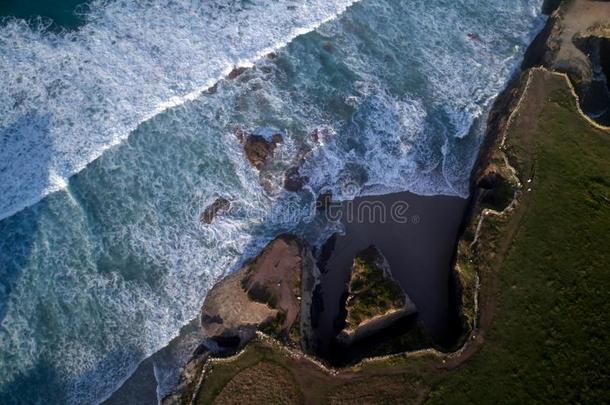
261 302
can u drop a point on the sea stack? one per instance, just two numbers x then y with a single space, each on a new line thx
375 300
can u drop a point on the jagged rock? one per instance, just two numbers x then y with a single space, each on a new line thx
265 294
217 207
236 72
258 149
273 292
375 300
229 317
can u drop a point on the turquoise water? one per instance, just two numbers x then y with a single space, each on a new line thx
110 149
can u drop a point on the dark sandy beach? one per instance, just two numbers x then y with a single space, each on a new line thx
417 235
419 244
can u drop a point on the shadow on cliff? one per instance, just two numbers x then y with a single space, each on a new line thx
595 95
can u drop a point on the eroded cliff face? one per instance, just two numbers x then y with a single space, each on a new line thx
576 41
266 294
375 300
272 293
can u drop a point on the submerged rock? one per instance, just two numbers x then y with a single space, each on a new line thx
375 300
217 207
324 200
293 181
236 72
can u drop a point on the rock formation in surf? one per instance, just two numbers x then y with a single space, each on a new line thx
258 149
293 180
219 206
267 294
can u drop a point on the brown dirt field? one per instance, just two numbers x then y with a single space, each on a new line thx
265 383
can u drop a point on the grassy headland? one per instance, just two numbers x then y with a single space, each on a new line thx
543 266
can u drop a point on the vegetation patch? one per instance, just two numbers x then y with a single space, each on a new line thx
266 381
372 291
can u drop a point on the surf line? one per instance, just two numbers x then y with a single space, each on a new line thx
59 183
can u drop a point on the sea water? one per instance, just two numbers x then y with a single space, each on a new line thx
111 146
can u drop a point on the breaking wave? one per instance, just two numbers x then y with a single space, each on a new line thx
66 97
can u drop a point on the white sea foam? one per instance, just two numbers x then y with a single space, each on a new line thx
131 60
426 142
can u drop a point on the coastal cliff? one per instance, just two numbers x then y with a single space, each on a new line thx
272 293
502 181
266 294
576 41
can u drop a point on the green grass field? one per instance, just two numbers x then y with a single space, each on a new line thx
550 336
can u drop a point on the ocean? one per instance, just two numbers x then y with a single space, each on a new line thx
112 143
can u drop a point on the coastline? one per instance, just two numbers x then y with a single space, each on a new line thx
425 375
456 226
509 273
427 218
503 105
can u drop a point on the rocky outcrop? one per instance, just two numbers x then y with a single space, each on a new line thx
272 293
219 206
274 278
375 300
258 149
574 42
229 316
266 294
236 72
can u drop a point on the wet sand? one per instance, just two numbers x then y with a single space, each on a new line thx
161 368
419 245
